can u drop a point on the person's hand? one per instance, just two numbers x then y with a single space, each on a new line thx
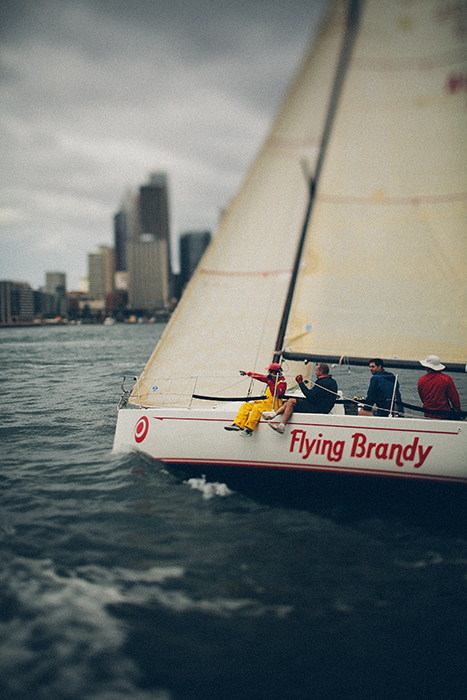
299 378
242 373
362 412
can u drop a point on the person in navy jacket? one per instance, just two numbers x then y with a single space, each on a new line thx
380 392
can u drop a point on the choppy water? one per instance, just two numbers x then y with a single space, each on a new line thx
119 580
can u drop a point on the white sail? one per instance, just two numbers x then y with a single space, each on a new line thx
384 271
228 317
384 268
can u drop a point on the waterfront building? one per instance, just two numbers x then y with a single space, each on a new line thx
55 284
16 303
148 274
148 247
101 271
54 281
126 227
45 305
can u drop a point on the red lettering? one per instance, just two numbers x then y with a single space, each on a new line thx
381 451
370 448
410 451
338 450
318 444
358 445
423 454
308 447
334 451
397 448
297 436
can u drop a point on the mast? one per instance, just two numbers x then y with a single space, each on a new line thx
352 23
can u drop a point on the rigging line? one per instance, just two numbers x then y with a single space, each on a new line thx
324 388
229 386
330 391
352 24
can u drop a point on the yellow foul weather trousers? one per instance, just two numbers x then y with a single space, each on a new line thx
249 413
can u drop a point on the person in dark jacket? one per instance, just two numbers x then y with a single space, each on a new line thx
320 399
381 391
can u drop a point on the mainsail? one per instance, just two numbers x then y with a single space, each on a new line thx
384 262
384 269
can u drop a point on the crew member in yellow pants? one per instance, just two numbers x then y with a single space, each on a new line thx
250 413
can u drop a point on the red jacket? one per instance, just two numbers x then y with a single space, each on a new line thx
281 383
438 392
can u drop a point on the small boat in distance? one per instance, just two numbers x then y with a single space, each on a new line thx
346 241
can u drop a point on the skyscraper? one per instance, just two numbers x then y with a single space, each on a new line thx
55 283
148 281
126 227
148 247
101 267
54 280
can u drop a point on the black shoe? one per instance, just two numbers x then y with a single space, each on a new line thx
234 426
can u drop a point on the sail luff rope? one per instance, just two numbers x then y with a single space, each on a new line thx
352 24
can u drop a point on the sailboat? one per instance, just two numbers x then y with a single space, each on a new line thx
346 241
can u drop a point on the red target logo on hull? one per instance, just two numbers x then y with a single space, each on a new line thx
141 429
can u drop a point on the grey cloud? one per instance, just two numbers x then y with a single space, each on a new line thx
95 95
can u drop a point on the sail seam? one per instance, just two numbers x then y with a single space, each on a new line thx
240 273
405 64
412 200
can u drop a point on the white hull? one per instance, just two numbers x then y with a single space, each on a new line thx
394 447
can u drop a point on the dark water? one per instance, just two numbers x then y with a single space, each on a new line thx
122 581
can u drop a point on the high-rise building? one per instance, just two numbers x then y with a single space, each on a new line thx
192 246
154 207
55 283
148 247
45 304
16 303
120 239
54 280
101 269
126 227
142 244
148 275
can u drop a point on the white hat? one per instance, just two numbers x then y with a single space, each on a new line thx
432 362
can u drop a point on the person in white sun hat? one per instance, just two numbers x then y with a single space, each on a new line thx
437 390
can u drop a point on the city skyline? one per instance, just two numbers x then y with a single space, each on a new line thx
147 288
95 97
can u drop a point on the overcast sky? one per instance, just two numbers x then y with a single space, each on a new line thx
96 94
